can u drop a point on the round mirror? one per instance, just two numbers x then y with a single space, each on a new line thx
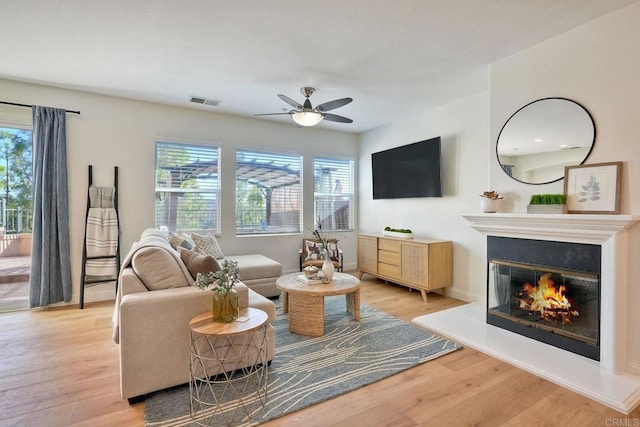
541 138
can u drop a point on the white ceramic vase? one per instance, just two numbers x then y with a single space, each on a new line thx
328 268
490 205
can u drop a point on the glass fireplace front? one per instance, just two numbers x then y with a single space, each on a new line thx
555 306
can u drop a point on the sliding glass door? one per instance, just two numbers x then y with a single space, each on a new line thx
16 173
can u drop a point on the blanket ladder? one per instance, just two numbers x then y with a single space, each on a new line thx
101 246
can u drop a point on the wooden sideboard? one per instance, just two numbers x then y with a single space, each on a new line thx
420 264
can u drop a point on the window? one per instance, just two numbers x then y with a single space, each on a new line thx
333 193
268 193
16 180
187 187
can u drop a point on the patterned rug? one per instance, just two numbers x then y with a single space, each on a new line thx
309 370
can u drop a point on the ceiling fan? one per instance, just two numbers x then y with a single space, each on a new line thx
306 115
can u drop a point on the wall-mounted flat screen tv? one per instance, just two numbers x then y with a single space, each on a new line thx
412 170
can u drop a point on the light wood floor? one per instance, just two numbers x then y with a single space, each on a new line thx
59 367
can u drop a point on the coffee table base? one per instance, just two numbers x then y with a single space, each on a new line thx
306 312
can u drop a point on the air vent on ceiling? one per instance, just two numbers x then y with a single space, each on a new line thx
205 101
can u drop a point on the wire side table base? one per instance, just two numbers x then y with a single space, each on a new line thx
228 369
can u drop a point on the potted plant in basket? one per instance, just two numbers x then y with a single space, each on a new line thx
225 298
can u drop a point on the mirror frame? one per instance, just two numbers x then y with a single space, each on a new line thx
593 142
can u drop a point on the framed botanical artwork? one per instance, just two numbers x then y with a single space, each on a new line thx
593 189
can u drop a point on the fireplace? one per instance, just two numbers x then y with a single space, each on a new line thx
546 290
612 380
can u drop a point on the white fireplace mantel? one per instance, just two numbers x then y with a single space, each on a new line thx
594 229
606 381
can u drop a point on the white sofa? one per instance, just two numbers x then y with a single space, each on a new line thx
154 305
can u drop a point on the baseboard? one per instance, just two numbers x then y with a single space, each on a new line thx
350 266
462 295
96 295
633 368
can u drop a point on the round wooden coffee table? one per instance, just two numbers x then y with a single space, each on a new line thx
305 303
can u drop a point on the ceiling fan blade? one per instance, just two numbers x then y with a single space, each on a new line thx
272 114
332 105
336 118
290 101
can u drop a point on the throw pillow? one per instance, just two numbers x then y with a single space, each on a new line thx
179 240
198 263
208 244
312 250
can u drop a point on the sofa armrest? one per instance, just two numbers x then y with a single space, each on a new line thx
154 336
130 283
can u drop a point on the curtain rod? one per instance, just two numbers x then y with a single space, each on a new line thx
30 106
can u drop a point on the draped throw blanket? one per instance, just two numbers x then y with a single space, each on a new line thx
150 238
101 197
102 234
50 279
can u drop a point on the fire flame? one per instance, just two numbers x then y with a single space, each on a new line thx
548 299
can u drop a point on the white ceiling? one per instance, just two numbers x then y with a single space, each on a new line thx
393 57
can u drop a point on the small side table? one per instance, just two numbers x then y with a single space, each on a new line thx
228 367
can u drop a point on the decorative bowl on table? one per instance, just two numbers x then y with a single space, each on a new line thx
310 271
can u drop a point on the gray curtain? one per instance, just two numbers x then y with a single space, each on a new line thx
50 267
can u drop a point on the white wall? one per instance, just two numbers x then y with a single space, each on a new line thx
119 132
464 128
596 65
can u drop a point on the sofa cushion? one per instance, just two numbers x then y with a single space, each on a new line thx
256 266
158 268
198 263
208 244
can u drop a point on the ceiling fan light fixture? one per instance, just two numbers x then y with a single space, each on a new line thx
306 118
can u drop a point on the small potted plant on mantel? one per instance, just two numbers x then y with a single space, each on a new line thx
490 201
548 204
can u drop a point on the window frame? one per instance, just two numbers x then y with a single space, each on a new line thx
295 228
350 195
19 218
215 192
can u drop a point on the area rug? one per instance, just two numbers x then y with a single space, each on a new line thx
310 370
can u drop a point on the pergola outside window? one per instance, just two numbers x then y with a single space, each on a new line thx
268 192
188 196
187 187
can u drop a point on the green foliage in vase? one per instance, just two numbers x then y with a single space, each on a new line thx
223 280
548 199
